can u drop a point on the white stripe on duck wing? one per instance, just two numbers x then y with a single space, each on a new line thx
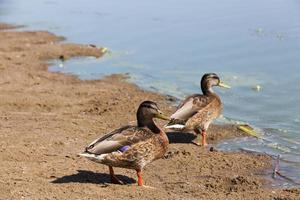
93 157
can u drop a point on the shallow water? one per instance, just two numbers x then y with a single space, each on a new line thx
167 46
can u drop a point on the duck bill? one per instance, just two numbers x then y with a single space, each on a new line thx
223 85
162 116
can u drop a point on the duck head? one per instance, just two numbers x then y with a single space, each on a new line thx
147 111
209 80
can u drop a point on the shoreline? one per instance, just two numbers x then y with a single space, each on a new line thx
47 118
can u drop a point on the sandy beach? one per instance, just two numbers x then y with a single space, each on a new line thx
48 118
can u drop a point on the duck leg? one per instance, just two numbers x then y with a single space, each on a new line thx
203 133
200 141
113 178
139 175
140 179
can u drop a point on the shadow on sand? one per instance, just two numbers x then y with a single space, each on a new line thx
83 176
180 137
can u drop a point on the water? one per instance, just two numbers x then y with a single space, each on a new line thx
167 46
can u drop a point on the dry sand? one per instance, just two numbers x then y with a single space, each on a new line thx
48 118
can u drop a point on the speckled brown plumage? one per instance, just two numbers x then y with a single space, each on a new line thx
131 147
145 147
197 111
208 111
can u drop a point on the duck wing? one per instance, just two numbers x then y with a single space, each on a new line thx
190 106
113 141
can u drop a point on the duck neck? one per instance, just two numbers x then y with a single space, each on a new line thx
149 124
207 89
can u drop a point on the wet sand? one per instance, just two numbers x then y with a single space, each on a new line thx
48 118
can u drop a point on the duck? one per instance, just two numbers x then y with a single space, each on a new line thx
131 146
197 111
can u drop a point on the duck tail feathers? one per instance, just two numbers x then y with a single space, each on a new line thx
175 127
175 124
93 156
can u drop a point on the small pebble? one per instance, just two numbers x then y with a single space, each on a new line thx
92 45
62 58
212 149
